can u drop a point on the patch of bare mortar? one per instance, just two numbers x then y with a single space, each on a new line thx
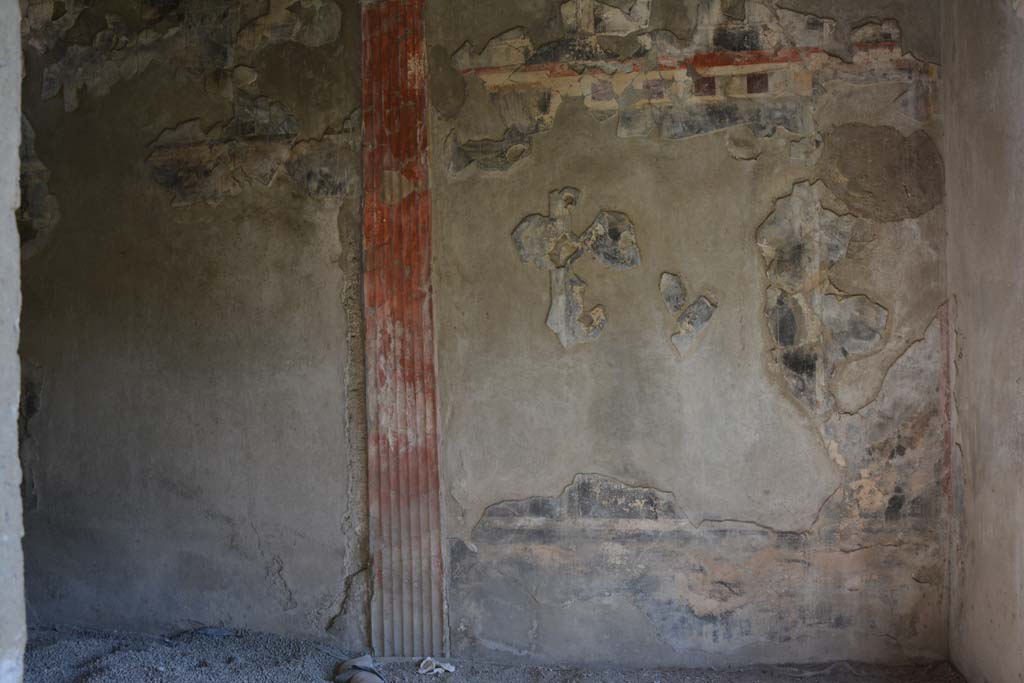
657 85
39 212
549 243
812 326
250 150
692 318
203 40
880 174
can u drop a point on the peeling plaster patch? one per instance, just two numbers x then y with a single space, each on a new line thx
39 212
202 46
311 22
591 16
523 115
899 264
566 316
856 324
612 239
44 22
673 292
814 328
690 319
880 174
588 496
226 82
251 149
29 407
901 105
327 167
895 445
747 64
549 243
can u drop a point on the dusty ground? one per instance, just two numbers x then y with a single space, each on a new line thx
214 656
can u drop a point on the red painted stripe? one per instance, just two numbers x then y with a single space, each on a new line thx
407 616
702 60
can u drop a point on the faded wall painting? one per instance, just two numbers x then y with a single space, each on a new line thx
697 414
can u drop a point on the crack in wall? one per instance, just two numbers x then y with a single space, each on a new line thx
273 567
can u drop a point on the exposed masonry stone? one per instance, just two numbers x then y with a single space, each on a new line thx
549 243
39 212
207 41
656 84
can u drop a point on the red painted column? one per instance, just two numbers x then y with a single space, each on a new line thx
407 608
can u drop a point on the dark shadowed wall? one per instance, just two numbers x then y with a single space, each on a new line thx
192 418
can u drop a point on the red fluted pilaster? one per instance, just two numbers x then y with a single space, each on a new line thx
407 616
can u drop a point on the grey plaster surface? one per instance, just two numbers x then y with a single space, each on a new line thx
984 45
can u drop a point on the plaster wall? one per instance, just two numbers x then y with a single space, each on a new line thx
192 422
984 45
12 602
750 470
689 275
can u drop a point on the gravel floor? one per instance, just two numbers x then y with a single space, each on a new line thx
215 656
